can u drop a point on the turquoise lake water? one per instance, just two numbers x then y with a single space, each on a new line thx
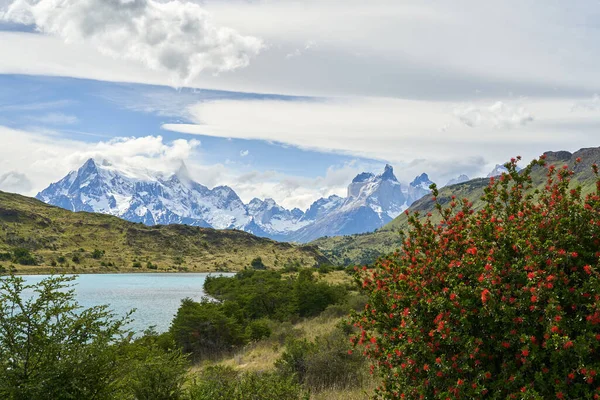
156 297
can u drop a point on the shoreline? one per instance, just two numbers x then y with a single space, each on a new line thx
41 270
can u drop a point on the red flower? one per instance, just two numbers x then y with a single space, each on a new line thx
568 345
485 296
472 251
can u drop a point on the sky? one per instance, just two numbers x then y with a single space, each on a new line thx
290 99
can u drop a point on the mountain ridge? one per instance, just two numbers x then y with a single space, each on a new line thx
371 202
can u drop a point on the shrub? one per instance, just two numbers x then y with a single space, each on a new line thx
61 260
499 303
257 263
23 257
328 362
154 369
6 257
224 383
52 349
137 264
149 265
204 330
76 259
97 254
257 330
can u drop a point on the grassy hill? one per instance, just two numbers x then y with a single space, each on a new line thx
82 242
364 248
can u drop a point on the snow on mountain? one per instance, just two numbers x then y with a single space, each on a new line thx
372 201
462 178
499 170
419 187
151 198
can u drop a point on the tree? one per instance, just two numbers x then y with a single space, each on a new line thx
204 330
257 263
498 303
50 348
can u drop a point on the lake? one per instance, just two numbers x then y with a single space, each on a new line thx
156 297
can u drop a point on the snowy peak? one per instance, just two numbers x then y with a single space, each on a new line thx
421 181
460 179
499 170
388 173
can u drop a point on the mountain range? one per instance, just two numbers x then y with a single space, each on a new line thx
97 186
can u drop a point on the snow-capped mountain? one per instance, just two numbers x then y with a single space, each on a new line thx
418 188
499 170
371 202
460 179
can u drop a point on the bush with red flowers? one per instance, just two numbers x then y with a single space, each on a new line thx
503 302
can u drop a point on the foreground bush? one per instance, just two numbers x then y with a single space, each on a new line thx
499 303
51 348
326 363
224 383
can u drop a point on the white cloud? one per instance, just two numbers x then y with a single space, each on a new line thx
244 153
179 37
15 182
406 133
56 119
44 157
499 115
443 49
592 104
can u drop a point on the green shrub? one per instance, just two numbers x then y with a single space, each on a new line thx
136 264
6 257
155 370
52 349
76 259
61 259
224 383
257 263
257 330
204 330
499 303
23 257
149 265
97 254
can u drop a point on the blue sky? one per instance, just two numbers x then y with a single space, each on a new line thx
284 99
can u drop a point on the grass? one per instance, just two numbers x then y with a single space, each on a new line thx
64 241
262 355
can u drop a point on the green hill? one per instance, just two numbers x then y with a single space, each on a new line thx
82 242
364 248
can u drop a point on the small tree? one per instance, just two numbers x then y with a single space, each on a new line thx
257 263
499 303
50 348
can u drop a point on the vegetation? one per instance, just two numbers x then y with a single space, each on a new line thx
36 237
50 348
248 302
499 302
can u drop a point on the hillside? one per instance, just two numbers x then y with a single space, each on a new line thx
362 249
65 241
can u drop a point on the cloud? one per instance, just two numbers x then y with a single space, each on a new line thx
15 182
434 50
499 115
45 157
403 131
244 153
56 119
179 37
592 104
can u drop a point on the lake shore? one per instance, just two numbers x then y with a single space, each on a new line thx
50 270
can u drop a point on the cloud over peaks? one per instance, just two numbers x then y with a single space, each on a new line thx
499 115
176 36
